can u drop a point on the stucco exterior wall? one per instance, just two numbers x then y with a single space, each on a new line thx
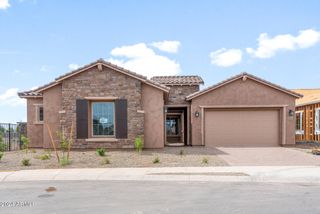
241 92
52 106
34 129
177 94
105 83
153 106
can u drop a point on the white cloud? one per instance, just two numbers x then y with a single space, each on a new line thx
44 68
34 88
4 4
167 46
268 47
226 57
73 66
10 98
143 60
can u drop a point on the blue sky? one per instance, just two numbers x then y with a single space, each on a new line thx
42 39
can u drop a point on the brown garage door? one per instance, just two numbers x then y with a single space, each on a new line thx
243 128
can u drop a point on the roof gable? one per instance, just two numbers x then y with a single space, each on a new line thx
38 92
243 76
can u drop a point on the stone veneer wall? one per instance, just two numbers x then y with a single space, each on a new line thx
177 94
105 83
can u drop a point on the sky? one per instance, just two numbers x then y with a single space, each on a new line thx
43 39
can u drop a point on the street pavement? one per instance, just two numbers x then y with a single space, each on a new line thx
139 197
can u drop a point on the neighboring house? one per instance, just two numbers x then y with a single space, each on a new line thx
308 115
109 106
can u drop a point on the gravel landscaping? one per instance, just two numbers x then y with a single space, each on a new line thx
168 157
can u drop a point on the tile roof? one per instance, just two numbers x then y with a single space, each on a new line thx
178 80
242 75
29 94
310 96
38 92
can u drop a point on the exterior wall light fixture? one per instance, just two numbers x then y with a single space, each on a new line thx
196 114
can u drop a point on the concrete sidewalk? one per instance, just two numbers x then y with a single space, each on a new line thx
283 174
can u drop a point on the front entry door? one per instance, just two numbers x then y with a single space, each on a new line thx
174 128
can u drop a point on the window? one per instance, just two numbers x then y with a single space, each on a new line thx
103 119
39 113
299 119
317 121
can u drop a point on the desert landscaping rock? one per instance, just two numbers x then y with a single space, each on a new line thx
169 157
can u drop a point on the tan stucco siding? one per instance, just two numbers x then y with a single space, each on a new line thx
153 103
243 93
34 129
52 106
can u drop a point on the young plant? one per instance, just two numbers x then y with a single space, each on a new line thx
33 151
25 162
45 157
25 143
138 144
181 152
65 161
3 147
156 160
1 155
106 161
64 142
205 160
52 143
101 151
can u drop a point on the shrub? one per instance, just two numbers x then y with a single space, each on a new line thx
138 144
205 160
106 161
101 152
45 157
33 151
64 161
3 147
25 162
25 142
156 160
1 155
181 152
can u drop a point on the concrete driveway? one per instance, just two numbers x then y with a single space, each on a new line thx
266 156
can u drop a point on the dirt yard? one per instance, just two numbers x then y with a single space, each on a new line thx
168 157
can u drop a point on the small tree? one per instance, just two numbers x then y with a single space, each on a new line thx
65 144
25 143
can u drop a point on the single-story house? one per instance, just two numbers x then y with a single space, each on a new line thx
308 115
109 106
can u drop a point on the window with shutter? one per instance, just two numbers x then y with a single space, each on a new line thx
121 118
82 118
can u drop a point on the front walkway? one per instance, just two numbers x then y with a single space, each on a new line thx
266 156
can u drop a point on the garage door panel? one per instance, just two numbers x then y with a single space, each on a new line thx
242 128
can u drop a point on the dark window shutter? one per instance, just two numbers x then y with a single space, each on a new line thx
121 118
82 119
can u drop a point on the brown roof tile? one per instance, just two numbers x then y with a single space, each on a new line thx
178 80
